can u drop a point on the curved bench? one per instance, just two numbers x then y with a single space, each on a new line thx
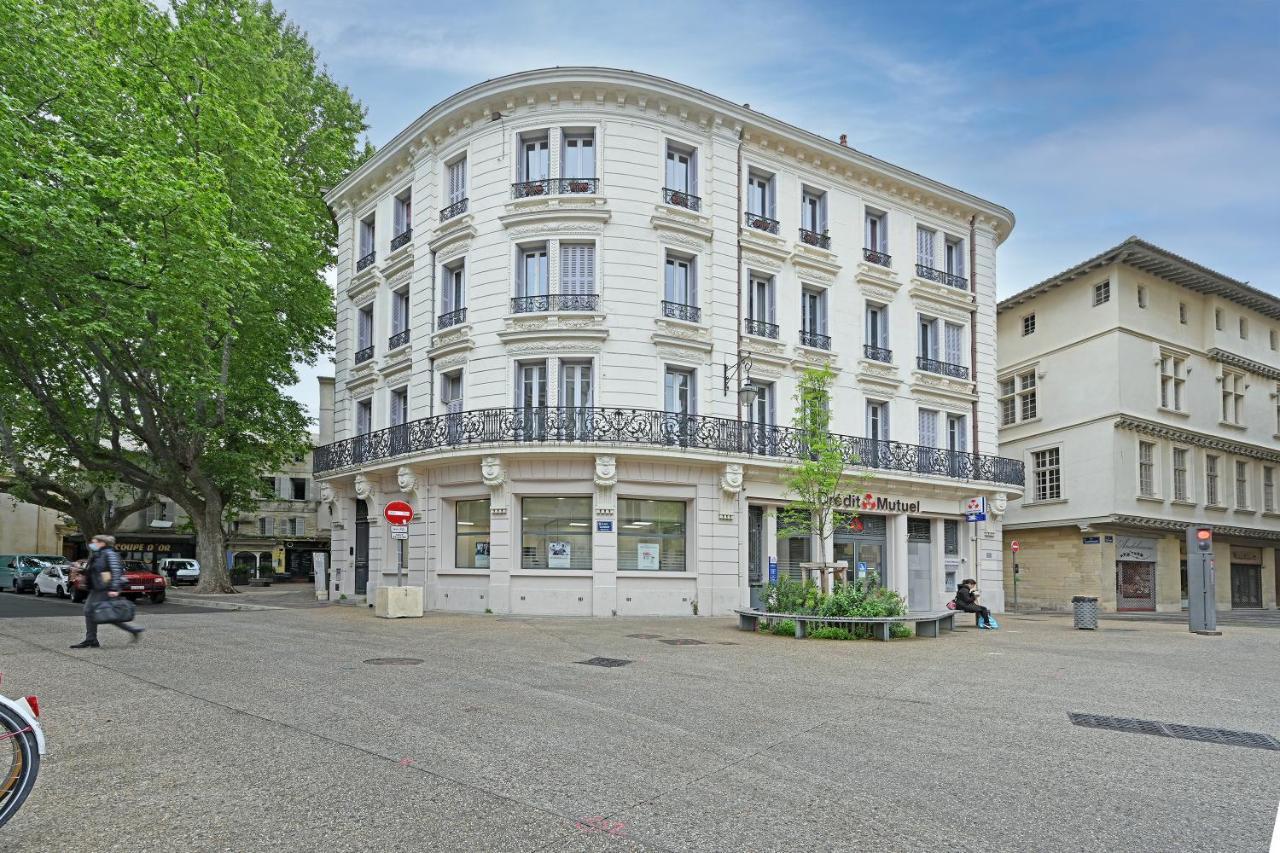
926 624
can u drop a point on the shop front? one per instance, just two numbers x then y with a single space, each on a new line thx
148 550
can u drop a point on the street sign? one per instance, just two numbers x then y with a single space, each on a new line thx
1014 546
773 570
398 512
399 531
604 527
975 516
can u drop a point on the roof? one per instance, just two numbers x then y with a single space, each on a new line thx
486 93
1139 254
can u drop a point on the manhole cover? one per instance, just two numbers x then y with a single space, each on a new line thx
644 636
394 661
608 662
683 642
1228 737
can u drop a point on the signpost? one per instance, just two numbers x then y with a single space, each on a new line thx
1202 609
398 514
773 570
1015 547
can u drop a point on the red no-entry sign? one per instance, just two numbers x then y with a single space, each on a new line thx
398 512
1014 546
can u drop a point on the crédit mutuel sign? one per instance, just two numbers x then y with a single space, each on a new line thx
873 503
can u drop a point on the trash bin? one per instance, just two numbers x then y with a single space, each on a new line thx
1086 612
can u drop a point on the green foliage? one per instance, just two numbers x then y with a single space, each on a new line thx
899 631
856 598
785 628
829 632
791 596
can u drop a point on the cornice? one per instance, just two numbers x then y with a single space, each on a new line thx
1173 524
1243 363
616 90
1196 439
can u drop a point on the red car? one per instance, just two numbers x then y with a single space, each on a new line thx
139 581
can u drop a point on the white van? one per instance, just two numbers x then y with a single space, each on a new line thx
179 570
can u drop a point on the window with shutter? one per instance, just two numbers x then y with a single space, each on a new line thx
680 172
956 437
364 417
451 392
531 276
955 351
924 247
458 181
535 160
577 268
928 428
364 327
399 311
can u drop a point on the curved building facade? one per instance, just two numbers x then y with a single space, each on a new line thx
552 289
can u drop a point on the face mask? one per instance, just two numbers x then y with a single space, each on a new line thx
94 546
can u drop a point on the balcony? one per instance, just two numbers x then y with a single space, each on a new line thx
648 427
363 355
555 186
932 365
880 258
762 223
959 282
680 198
401 239
555 302
821 239
458 208
366 261
680 311
453 318
398 340
761 329
815 340
877 353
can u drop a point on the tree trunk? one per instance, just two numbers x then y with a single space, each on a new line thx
211 549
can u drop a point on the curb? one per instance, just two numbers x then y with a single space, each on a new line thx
190 601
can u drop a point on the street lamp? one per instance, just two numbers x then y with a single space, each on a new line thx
747 390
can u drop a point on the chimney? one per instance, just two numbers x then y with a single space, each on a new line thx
844 139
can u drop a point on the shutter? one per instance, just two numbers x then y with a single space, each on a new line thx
928 428
953 344
769 200
822 313
446 292
693 282
959 258
924 247
458 181
269 526
577 268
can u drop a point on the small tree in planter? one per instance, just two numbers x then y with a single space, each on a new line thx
815 481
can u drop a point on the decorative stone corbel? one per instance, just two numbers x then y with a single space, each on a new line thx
363 487
494 477
999 504
329 499
606 477
730 487
416 489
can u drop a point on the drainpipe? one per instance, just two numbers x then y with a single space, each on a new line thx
973 323
431 327
737 320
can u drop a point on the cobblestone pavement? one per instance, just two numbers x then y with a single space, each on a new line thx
328 729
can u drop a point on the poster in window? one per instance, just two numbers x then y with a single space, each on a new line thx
647 557
558 555
482 555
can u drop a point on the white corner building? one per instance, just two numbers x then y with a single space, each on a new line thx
572 305
1142 391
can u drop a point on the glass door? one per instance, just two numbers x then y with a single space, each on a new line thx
576 398
531 399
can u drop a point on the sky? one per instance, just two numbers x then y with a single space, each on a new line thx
1091 121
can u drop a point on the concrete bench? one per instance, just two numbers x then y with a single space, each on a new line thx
259 581
926 624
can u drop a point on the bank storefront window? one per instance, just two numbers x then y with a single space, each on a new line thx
651 535
859 540
555 533
471 540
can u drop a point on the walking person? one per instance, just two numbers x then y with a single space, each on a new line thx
104 575
967 600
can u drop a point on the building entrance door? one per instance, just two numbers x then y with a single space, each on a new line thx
1246 585
919 564
1135 585
755 552
362 548
860 542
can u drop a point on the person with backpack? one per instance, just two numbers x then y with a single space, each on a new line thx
967 600
104 575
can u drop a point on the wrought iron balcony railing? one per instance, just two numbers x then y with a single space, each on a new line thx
458 208
821 239
761 329
401 239
932 365
959 282
874 257
813 339
680 198
680 311
555 302
878 353
555 186
366 261
651 428
761 222
363 355
453 318
398 340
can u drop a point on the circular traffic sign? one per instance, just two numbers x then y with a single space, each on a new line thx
1014 546
398 512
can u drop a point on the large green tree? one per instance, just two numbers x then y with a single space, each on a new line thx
163 239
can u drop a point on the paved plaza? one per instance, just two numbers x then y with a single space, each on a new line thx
274 730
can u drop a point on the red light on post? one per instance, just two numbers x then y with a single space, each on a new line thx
1203 535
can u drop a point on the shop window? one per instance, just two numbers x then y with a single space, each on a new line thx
555 533
471 534
652 535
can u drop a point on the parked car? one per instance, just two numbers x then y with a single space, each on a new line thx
54 580
18 571
139 581
180 569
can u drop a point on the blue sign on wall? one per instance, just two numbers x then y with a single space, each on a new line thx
604 526
773 570
1091 540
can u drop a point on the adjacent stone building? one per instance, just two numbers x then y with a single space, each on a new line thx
572 307
1142 391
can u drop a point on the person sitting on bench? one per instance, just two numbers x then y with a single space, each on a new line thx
967 600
